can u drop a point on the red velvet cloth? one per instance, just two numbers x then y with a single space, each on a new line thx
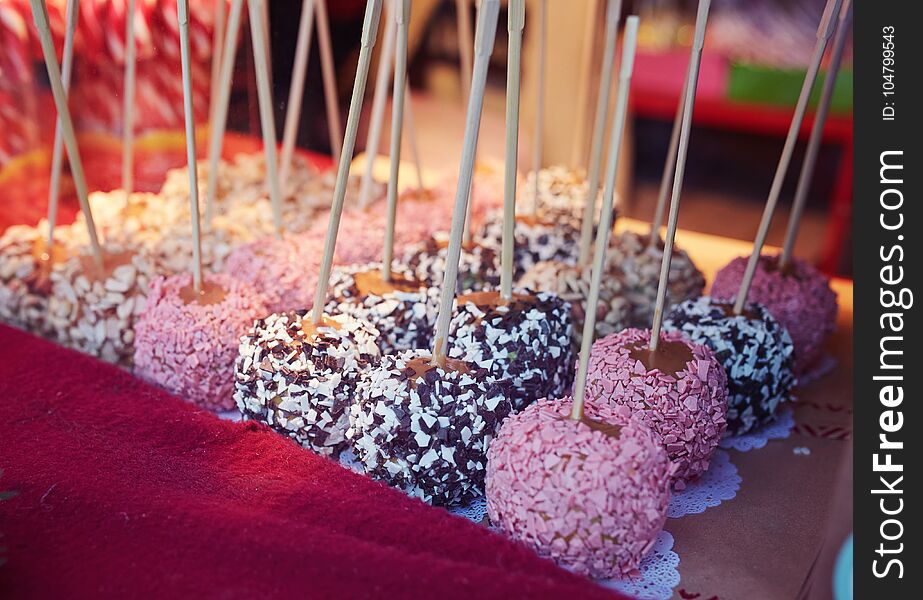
126 491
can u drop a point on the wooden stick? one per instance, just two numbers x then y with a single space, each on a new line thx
267 118
40 16
629 43
217 46
539 142
369 34
377 117
328 72
401 14
465 48
296 90
613 13
817 132
412 138
517 16
483 45
57 153
587 51
128 128
182 13
692 80
669 168
824 31
220 116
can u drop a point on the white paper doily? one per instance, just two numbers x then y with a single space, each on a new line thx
230 415
659 573
476 510
779 429
716 485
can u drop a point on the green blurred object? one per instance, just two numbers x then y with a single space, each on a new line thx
766 85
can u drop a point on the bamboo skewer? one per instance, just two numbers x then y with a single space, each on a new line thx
613 14
40 16
587 51
465 49
516 20
824 31
629 43
128 130
483 45
669 167
412 139
328 73
402 17
183 16
692 79
539 141
382 79
267 119
817 133
465 41
220 116
296 90
369 34
217 47
57 153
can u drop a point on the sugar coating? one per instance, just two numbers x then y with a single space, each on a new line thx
754 349
97 316
534 240
591 502
241 182
572 284
25 281
525 342
138 218
478 267
636 265
562 192
404 319
304 387
283 269
800 299
427 435
189 348
686 410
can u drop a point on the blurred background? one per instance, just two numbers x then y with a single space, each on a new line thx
752 69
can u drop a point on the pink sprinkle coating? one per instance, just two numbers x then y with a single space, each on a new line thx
591 501
800 298
284 270
687 410
189 349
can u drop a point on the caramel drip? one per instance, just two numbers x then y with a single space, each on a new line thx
423 365
310 329
134 209
531 220
442 244
111 261
211 293
669 358
491 299
46 259
418 195
771 264
728 309
371 283
610 429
